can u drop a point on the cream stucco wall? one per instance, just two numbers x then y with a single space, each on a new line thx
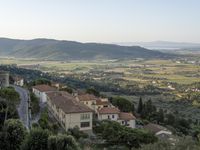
41 95
74 119
113 117
128 123
70 120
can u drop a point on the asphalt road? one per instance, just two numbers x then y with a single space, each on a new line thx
23 106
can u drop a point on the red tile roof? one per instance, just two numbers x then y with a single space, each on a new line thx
100 102
44 88
67 102
126 116
109 110
87 97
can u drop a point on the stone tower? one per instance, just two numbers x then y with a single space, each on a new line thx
4 79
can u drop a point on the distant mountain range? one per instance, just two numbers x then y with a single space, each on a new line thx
69 50
164 45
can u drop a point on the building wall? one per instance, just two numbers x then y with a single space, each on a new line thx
41 95
70 120
128 123
44 97
132 124
112 117
74 119
19 83
36 92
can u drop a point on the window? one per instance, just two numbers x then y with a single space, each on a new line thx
113 116
85 124
108 117
85 116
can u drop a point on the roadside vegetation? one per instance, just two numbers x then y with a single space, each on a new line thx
9 100
35 104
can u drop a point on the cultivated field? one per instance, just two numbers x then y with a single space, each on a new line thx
168 78
133 70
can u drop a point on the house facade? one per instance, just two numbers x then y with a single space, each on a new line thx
107 113
69 112
114 114
127 119
18 81
41 90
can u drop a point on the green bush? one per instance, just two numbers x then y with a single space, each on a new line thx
75 132
35 104
13 134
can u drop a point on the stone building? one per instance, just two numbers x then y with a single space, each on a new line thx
4 79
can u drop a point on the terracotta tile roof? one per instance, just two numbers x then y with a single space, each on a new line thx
44 88
109 110
67 102
126 116
154 128
87 97
100 102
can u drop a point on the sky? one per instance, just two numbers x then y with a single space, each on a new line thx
101 20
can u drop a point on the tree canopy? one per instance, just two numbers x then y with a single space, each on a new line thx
13 134
116 134
123 104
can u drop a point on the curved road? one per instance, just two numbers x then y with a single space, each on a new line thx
23 106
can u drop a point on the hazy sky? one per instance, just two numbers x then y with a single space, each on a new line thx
101 20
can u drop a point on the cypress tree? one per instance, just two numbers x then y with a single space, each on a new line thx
140 106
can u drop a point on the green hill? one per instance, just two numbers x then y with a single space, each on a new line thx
70 50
